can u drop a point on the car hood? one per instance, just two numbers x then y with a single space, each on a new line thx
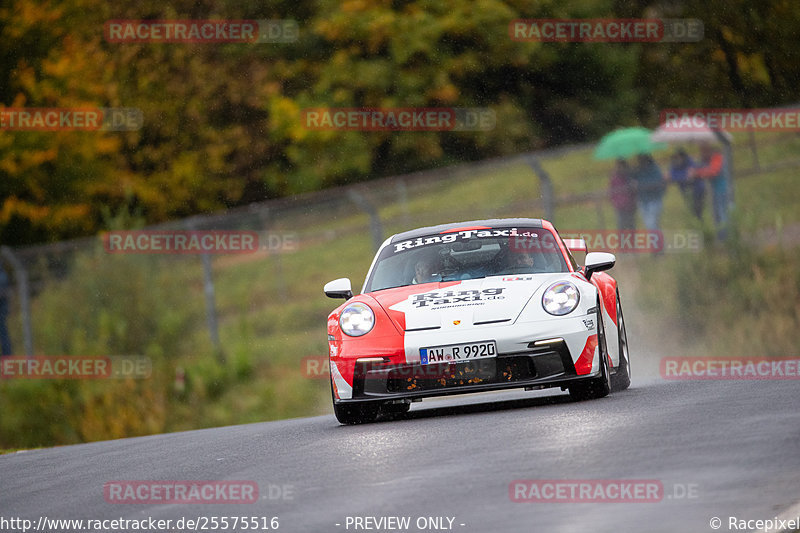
492 300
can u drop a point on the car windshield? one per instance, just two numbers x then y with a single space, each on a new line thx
466 254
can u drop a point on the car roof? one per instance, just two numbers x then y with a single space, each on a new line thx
491 223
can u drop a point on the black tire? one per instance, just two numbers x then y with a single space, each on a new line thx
356 413
598 387
621 379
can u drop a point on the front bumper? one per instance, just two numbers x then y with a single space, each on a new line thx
543 359
551 366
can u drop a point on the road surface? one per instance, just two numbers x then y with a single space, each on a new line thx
717 449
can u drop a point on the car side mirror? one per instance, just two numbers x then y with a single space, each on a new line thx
339 288
597 262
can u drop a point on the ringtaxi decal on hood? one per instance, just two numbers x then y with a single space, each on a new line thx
437 298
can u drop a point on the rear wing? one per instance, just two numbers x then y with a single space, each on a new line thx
575 245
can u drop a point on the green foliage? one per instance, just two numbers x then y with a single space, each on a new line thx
222 123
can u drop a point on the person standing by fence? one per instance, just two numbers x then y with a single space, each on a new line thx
650 188
712 167
622 193
5 287
692 189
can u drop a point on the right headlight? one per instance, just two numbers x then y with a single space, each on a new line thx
357 319
561 298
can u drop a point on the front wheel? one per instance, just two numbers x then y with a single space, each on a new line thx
356 413
621 379
600 386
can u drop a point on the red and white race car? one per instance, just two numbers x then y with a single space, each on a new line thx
471 307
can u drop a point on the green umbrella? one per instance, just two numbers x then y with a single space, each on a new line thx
626 142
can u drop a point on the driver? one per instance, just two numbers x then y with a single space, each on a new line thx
521 262
425 271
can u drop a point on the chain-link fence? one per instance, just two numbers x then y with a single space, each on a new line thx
371 209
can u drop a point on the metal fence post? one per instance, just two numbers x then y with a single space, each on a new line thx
211 305
374 219
265 221
23 290
548 196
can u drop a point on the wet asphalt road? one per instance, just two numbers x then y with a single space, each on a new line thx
717 448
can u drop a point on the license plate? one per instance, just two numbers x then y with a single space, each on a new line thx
456 353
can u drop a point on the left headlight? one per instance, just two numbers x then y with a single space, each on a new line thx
357 319
561 298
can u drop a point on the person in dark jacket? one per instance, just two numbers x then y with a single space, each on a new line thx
692 189
622 193
650 188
